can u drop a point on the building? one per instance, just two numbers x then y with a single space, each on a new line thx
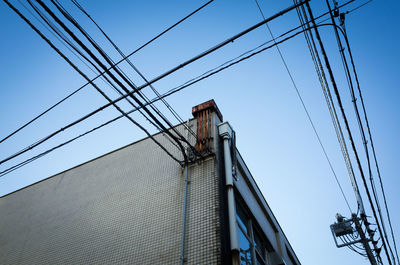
136 205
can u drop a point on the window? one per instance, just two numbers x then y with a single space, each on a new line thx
259 248
242 218
254 247
245 248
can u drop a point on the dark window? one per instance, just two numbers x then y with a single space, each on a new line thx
260 261
259 244
254 247
241 217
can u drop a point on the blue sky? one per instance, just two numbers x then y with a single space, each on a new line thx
256 97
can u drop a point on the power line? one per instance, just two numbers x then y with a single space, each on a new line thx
372 145
102 73
109 60
354 73
347 126
354 9
70 44
174 90
229 40
83 75
175 68
205 75
129 81
304 105
369 131
111 75
328 98
170 92
138 49
174 113
360 125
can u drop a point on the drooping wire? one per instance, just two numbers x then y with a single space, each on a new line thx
347 126
174 113
379 260
170 92
373 149
369 130
329 101
116 70
357 7
120 71
346 241
174 90
83 75
328 98
179 88
360 125
102 73
70 45
304 106
201 55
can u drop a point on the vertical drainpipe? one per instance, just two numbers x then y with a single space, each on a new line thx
182 257
186 168
225 131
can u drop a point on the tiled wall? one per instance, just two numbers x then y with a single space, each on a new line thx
123 208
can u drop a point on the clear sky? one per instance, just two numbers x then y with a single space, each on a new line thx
256 97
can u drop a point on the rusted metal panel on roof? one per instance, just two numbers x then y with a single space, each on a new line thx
205 125
207 105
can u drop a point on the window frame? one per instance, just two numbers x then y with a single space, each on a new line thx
252 228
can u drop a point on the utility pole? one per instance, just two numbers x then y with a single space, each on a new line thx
356 191
351 235
364 240
343 228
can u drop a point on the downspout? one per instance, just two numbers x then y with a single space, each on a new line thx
186 165
225 131
182 257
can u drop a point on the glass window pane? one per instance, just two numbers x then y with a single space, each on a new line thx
259 244
259 260
245 249
241 217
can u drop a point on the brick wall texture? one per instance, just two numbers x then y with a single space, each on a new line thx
122 208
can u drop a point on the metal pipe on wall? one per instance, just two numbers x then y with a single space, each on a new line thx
182 256
186 169
225 131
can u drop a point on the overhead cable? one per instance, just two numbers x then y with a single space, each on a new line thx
347 127
361 128
154 79
372 143
169 72
130 54
98 61
106 79
304 106
174 113
83 75
337 29
174 90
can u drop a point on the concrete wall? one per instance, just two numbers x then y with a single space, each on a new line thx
122 208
